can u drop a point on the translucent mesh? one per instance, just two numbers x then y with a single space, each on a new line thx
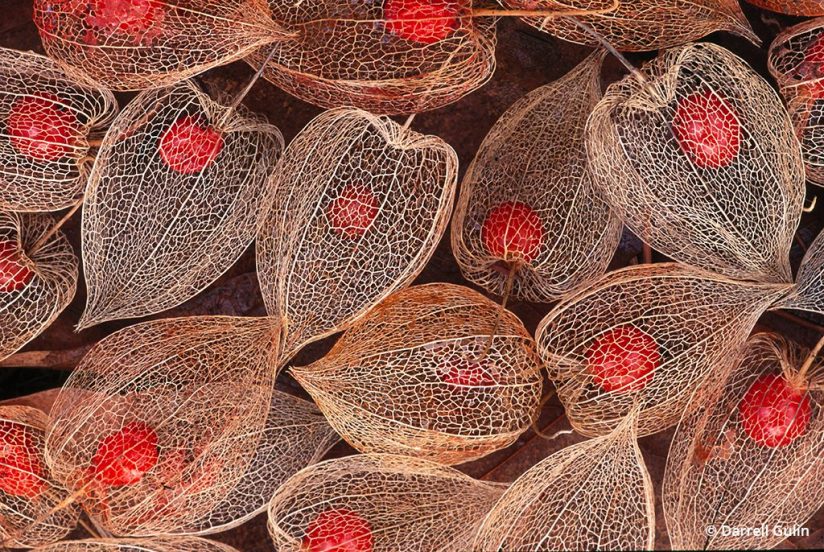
594 495
647 335
642 25
153 544
145 44
719 472
379 502
791 7
385 61
154 428
361 204
46 120
796 61
420 376
27 492
35 284
808 293
173 201
532 167
702 162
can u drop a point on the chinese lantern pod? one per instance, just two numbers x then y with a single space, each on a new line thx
35 284
531 173
796 61
702 162
296 435
791 7
173 201
808 294
377 56
722 470
46 119
150 544
643 25
27 493
151 43
649 336
360 205
594 495
152 430
421 375
379 502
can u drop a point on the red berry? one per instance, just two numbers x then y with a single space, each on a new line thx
773 413
513 230
188 146
140 20
464 373
707 130
338 530
623 359
124 457
41 129
14 275
424 21
21 470
353 211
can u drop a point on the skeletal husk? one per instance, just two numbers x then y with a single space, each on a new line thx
155 236
594 495
316 278
697 320
31 184
737 219
27 521
429 373
535 155
203 385
792 7
149 544
717 476
27 311
407 503
155 44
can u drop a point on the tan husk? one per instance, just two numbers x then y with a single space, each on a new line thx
738 219
716 475
155 236
345 55
694 317
27 311
18 514
594 495
791 7
406 503
150 544
808 293
423 375
201 384
642 25
153 44
535 155
318 279
33 184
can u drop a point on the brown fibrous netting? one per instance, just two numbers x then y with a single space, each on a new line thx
792 7
152 544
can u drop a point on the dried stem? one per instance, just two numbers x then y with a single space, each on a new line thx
481 12
48 235
802 372
408 122
510 281
243 93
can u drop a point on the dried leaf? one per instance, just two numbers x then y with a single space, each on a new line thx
153 544
379 502
173 201
791 7
594 495
420 375
374 57
35 285
154 429
532 168
646 335
151 43
47 120
361 204
721 472
702 162
27 492
642 25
